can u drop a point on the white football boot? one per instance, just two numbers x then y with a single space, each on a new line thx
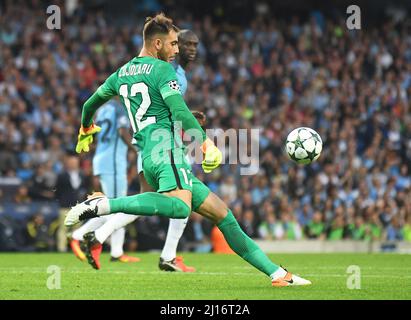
86 210
290 280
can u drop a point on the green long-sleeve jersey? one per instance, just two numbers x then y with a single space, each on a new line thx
150 93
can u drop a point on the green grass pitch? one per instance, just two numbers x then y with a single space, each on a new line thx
382 276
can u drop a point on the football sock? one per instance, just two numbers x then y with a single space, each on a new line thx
89 226
103 206
114 223
117 242
149 204
244 246
279 273
175 231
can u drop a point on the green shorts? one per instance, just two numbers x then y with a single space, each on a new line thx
170 170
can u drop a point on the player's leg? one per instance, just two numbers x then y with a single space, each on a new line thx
216 210
114 223
172 175
115 227
78 236
163 177
90 225
174 204
117 244
168 258
169 176
93 247
144 186
106 182
112 185
212 207
169 261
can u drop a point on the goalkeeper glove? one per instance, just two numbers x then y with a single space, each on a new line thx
85 138
212 156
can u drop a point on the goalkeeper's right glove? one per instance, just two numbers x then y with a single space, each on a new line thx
85 138
212 156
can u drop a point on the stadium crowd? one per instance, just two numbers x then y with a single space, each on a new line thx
353 87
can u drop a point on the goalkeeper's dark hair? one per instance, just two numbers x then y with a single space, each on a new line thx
159 24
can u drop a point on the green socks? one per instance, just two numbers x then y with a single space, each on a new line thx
153 203
150 204
244 246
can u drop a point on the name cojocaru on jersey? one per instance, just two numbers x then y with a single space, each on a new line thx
135 69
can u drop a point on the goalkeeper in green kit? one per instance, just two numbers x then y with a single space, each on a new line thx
148 88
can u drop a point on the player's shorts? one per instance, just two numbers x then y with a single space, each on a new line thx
171 170
114 186
140 162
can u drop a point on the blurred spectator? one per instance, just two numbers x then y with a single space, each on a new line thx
248 223
71 187
289 228
247 203
8 160
358 229
40 235
40 187
315 229
403 180
337 230
394 230
11 235
228 189
22 195
270 229
374 229
304 215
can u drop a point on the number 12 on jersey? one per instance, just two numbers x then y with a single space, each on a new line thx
142 88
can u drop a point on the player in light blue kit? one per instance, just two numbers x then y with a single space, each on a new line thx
187 45
110 167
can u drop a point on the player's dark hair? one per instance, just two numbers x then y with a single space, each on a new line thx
159 24
186 34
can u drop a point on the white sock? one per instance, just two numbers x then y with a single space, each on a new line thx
117 242
103 207
91 225
116 221
175 231
279 273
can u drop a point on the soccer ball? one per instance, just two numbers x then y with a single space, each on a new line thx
304 145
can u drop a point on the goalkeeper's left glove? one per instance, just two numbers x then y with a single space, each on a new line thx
212 156
85 138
